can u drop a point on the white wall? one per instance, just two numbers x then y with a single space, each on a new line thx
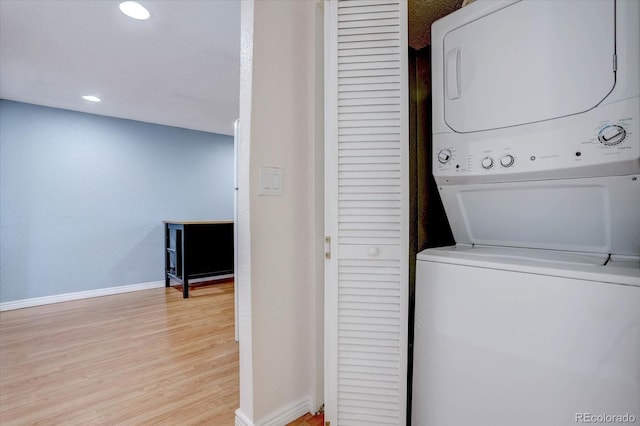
281 126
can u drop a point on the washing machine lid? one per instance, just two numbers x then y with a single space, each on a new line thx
518 254
527 62
583 266
481 253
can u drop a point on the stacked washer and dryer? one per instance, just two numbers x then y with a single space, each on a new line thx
533 317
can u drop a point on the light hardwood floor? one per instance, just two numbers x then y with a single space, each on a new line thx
309 420
142 358
148 357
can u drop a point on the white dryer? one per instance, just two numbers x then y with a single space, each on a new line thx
533 318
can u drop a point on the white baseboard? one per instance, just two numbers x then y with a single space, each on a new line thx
37 301
279 417
242 420
287 414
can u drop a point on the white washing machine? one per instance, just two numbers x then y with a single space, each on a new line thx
533 318
510 337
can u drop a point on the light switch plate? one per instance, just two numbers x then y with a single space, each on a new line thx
270 181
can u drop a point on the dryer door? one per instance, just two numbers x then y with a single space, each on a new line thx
528 62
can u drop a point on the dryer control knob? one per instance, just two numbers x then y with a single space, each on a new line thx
612 135
507 161
444 156
487 163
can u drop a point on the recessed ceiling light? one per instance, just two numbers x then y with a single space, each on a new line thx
134 10
91 98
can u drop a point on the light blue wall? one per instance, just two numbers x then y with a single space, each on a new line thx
83 197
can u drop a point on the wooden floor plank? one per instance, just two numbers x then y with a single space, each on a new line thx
143 358
148 357
309 420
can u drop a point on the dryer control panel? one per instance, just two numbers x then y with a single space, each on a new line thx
586 145
612 134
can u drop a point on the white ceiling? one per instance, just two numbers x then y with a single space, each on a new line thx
179 68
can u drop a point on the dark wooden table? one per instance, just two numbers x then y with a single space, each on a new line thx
197 249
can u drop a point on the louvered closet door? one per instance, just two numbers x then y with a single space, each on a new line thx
366 135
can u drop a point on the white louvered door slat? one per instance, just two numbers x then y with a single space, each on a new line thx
366 163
